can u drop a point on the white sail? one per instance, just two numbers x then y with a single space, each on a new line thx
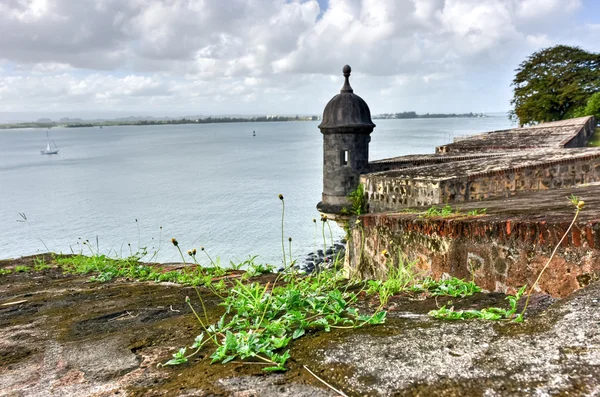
49 149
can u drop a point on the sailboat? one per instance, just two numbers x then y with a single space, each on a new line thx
49 149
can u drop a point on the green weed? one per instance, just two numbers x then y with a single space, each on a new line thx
105 269
358 201
39 264
261 320
437 211
477 212
490 313
449 287
400 278
22 269
4 272
447 211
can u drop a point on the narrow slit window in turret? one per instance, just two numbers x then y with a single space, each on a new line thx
344 157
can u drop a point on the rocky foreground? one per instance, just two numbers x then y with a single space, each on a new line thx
64 336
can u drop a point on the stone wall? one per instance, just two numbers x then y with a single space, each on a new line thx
558 174
499 254
394 194
507 175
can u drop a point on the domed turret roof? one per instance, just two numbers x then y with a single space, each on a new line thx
347 112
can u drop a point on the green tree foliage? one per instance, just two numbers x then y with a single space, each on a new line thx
554 83
592 108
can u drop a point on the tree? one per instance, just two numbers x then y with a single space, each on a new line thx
592 108
554 83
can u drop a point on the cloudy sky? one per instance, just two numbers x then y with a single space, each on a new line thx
177 57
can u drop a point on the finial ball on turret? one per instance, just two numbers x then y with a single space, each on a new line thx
346 70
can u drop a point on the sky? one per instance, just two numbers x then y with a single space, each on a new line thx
102 58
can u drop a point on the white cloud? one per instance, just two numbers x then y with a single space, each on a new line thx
539 41
533 9
211 54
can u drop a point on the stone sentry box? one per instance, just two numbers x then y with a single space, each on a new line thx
346 129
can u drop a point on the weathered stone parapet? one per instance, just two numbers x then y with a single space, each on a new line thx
419 160
558 134
506 175
502 250
393 194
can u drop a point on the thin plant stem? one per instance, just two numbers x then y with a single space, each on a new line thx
341 393
209 258
282 235
315 237
268 303
89 247
291 261
550 260
324 239
202 303
159 241
330 235
22 214
139 234
180 253
212 337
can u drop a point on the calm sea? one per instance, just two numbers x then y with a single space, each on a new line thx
211 185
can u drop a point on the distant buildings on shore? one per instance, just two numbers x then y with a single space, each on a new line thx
414 115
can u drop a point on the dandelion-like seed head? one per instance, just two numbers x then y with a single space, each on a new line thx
280 196
194 252
201 248
175 242
323 218
580 204
314 220
290 239
187 298
385 253
190 253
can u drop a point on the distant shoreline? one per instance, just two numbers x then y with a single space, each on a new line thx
223 120
111 123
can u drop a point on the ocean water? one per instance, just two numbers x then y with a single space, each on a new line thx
212 185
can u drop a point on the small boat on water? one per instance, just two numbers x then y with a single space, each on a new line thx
49 149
